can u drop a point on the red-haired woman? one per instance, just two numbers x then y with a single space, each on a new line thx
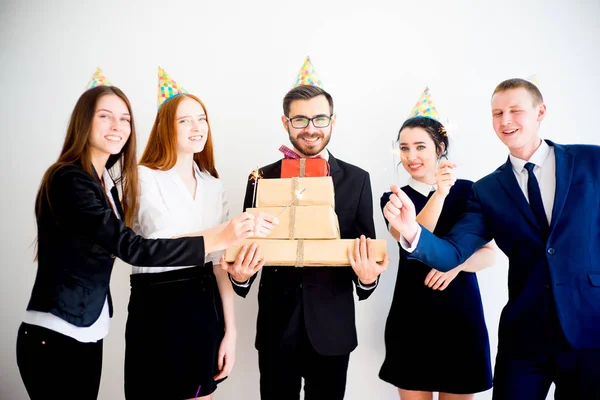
83 226
181 333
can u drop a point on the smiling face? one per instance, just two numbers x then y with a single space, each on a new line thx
516 120
111 127
192 127
418 154
309 141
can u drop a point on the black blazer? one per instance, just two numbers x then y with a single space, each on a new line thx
79 237
319 299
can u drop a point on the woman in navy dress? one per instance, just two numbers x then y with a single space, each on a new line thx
427 302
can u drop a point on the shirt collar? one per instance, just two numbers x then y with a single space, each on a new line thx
538 158
421 187
108 182
197 172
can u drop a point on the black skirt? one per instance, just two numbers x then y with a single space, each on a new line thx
174 329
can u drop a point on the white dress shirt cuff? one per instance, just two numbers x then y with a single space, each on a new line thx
367 287
411 247
242 285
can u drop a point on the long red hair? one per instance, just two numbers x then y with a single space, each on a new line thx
161 150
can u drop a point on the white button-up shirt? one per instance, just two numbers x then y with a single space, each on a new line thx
544 171
167 209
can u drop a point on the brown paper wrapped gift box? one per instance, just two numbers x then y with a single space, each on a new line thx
304 222
305 253
280 192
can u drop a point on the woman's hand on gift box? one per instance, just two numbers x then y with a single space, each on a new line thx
248 262
362 260
264 224
229 233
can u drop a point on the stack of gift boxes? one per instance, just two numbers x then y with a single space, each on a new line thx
308 234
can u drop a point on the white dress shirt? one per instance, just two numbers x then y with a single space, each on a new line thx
544 171
167 209
99 329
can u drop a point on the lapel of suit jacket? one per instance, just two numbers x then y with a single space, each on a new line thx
509 183
334 169
564 173
272 173
115 195
114 192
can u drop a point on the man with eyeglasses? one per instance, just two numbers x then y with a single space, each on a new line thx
306 326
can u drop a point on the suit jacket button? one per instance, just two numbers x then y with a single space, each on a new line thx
551 251
113 256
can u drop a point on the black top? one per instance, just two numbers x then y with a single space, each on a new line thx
419 315
79 237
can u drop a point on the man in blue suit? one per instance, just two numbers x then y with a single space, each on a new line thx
543 209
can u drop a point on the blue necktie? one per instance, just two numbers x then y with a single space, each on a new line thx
535 198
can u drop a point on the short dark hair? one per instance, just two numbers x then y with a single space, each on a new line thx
304 92
434 129
517 83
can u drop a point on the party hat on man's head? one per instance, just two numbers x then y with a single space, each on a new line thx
533 79
98 79
425 107
167 87
307 75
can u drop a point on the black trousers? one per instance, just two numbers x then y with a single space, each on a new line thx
55 366
281 373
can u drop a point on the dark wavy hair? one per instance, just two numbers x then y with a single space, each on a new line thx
434 129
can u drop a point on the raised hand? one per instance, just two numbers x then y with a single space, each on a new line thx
400 213
248 262
445 177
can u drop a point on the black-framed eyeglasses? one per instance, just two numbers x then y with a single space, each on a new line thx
320 121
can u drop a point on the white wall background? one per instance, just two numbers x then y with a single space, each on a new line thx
240 57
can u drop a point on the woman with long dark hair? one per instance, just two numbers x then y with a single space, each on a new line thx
83 226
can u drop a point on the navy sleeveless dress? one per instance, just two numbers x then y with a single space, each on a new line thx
435 340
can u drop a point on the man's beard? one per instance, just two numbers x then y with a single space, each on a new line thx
300 145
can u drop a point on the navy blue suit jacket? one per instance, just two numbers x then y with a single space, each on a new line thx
563 269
